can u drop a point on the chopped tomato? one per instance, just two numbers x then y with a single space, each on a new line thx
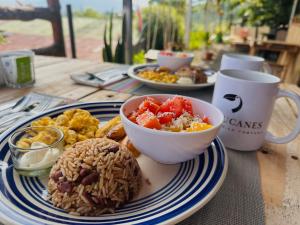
166 53
149 120
165 106
148 105
182 55
176 106
188 106
165 117
152 113
154 100
132 116
205 120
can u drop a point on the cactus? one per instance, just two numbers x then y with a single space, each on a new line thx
106 51
119 54
110 28
107 54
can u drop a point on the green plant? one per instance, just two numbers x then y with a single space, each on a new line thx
2 39
180 5
163 26
107 53
272 13
139 58
197 39
219 37
206 39
90 13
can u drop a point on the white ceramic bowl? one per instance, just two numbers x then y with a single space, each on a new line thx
171 147
174 62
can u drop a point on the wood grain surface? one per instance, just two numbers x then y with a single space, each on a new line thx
279 164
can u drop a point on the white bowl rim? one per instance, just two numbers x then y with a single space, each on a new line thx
189 55
155 131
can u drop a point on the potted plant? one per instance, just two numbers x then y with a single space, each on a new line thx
207 43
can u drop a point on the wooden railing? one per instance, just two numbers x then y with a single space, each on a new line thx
51 14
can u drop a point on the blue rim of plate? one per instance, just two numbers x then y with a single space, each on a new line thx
22 198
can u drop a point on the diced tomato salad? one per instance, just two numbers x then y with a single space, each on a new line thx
175 54
174 114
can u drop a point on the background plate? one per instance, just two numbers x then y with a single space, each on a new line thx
173 192
132 72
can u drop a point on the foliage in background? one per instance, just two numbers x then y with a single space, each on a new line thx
197 38
163 25
2 39
90 13
273 13
139 58
180 5
107 53
212 15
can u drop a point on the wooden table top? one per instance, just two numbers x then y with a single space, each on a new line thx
279 164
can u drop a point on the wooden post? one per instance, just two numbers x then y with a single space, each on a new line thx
188 20
127 11
295 4
25 14
51 14
56 22
71 31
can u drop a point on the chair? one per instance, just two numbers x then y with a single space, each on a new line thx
51 14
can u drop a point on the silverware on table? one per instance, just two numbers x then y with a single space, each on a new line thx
18 106
27 106
93 76
10 118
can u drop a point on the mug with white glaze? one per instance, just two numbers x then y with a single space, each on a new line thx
247 99
244 62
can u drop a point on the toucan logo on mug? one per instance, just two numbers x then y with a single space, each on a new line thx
235 98
236 124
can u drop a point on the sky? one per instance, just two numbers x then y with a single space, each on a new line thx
99 5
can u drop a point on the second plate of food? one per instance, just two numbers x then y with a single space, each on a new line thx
169 193
185 78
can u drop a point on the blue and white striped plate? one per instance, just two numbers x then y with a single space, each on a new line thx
170 193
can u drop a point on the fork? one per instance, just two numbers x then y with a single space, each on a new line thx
28 111
18 106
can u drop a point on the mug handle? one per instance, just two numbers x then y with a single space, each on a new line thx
294 133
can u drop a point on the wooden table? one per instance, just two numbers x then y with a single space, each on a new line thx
279 164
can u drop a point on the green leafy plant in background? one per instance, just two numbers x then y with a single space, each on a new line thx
89 13
139 58
272 13
180 5
197 39
163 26
107 52
206 39
2 39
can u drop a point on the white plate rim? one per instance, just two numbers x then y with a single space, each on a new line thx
132 74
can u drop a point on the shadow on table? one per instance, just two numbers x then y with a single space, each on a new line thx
204 93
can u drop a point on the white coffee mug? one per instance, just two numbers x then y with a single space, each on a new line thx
244 62
247 99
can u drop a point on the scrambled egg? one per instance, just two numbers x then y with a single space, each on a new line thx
195 126
38 135
164 77
76 124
